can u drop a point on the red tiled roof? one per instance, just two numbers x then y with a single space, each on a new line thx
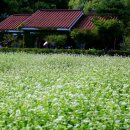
53 19
13 21
86 22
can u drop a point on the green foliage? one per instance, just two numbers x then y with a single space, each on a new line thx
64 92
9 37
112 27
79 35
108 31
66 51
77 4
93 51
120 8
92 6
12 41
83 36
127 29
106 6
57 40
29 6
41 5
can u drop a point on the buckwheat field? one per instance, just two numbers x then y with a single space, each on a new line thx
64 92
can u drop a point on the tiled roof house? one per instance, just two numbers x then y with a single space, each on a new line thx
49 20
57 19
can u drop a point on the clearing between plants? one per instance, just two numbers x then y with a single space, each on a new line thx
64 92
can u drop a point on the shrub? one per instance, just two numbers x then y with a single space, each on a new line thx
57 40
84 37
8 40
12 41
66 51
111 26
92 51
108 31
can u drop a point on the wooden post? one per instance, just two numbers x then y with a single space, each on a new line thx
115 43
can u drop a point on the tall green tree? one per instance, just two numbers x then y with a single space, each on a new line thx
109 31
120 8
77 4
106 6
58 4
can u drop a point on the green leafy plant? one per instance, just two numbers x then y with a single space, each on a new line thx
84 36
8 40
57 40
109 31
12 41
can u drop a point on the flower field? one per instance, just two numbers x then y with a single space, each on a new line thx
64 92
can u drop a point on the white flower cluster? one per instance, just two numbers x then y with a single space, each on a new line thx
64 92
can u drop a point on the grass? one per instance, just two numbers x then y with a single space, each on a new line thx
64 92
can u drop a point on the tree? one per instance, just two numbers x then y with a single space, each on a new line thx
58 4
30 6
106 6
120 8
24 6
109 31
84 37
92 6
77 4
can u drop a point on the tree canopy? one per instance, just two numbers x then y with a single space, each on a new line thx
29 6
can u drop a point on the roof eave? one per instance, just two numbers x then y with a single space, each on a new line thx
13 31
36 29
30 29
63 29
